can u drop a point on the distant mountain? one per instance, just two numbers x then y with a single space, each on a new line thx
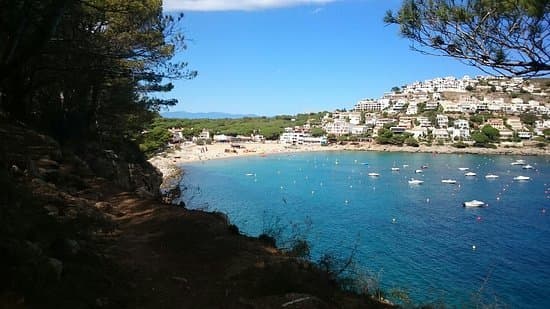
209 115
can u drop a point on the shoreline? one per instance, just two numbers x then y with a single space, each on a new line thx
169 162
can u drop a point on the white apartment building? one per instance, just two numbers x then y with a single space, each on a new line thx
299 138
292 138
337 127
442 121
412 109
351 117
424 122
370 105
440 134
462 124
205 134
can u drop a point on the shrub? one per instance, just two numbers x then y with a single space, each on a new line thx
268 240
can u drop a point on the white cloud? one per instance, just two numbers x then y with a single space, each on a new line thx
234 5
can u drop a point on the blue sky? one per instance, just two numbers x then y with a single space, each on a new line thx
271 57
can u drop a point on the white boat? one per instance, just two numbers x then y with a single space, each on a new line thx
374 174
249 174
418 171
413 181
474 203
491 176
449 181
470 174
405 165
522 178
528 167
463 168
395 169
518 162
364 163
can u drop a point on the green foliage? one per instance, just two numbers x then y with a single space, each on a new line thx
385 136
85 70
528 118
477 118
491 133
495 34
411 141
154 140
317 132
485 136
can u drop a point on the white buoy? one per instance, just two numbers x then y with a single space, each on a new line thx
312 192
393 220
427 200
473 247
346 201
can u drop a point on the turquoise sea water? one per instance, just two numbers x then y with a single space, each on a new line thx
414 237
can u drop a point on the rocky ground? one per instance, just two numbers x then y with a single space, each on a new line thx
86 229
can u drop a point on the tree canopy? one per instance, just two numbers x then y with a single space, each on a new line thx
509 37
87 68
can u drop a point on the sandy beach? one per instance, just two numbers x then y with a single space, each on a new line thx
170 162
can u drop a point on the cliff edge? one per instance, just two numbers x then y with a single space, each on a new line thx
83 227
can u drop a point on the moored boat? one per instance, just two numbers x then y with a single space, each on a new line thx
474 203
491 176
413 181
518 162
522 178
448 181
528 167
418 171
463 168
470 174
374 174
395 169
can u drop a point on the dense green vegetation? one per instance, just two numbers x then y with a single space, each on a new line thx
506 36
85 70
486 136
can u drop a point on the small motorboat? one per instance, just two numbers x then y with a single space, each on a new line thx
424 167
413 181
470 174
474 203
528 167
374 174
522 178
463 168
418 171
395 169
518 162
448 181
491 176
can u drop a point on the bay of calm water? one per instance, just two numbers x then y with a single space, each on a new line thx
414 237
